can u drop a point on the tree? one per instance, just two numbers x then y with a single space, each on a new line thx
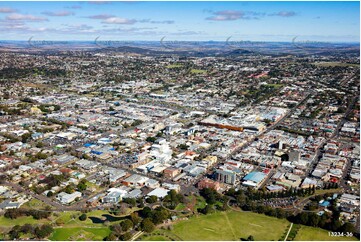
38 214
126 236
260 209
159 215
40 144
250 238
211 195
82 217
348 228
313 220
126 224
141 204
207 209
130 201
151 139
303 218
183 146
152 199
135 218
27 229
82 185
147 225
69 188
13 213
111 237
50 194
241 200
25 137
15 232
313 189
335 225
43 231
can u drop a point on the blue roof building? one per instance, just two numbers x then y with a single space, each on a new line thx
254 179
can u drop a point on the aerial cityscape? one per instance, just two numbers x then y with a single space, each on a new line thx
180 121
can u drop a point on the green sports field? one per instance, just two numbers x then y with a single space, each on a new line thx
231 226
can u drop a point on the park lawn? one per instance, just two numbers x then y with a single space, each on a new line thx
198 71
175 66
68 217
321 192
274 85
7 222
313 234
231 225
92 185
155 238
35 204
201 203
79 233
97 213
333 64
180 207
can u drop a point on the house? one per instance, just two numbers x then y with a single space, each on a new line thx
158 192
66 198
135 180
116 174
151 183
350 199
37 135
115 195
171 186
210 160
171 172
135 193
208 183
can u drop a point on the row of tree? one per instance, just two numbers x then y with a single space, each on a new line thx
38 232
18 212
255 195
145 220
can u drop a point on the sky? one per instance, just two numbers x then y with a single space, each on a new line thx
181 21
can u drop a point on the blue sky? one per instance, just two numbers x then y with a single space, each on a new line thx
189 21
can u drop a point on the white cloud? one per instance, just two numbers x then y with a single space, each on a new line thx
7 10
117 20
58 14
27 17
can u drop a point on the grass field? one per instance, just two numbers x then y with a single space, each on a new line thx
231 226
6 222
174 66
156 238
313 234
333 64
197 71
180 207
274 85
35 204
79 233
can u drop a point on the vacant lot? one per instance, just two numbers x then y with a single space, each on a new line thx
314 234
